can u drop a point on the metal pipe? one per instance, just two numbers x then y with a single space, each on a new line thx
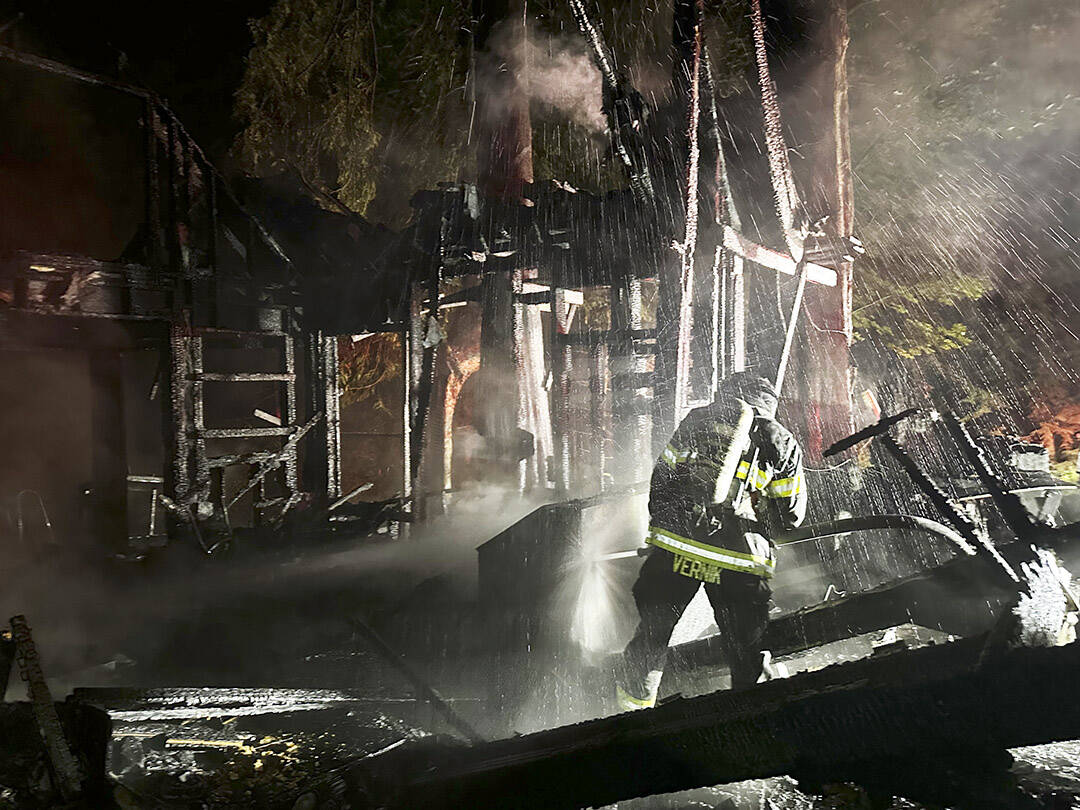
352 494
153 511
792 324
870 432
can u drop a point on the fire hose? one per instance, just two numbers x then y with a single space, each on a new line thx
842 526
871 523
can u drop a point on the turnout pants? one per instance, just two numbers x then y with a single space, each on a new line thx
740 603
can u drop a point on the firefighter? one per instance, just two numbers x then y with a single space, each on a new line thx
730 479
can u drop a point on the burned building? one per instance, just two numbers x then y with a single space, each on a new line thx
176 347
187 254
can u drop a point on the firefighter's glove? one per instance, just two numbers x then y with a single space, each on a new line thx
718 514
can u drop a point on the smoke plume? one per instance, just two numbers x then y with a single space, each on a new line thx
558 72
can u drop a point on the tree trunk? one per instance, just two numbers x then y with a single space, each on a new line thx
827 351
504 169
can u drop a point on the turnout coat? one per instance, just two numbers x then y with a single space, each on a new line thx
707 530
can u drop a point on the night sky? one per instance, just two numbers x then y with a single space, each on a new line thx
193 56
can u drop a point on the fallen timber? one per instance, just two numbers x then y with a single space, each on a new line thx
963 597
912 723
51 754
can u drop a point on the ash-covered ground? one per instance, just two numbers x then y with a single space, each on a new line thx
233 763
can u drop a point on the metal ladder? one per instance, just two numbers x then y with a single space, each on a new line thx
198 476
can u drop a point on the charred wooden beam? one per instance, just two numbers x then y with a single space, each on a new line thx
24 757
64 768
408 350
829 192
283 456
67 72
604 449
1016 517
562 363
964 596
7 659
925 708
423 688
730 340
425 383
789 207
676 279
624 109
322 470
625 359
774 259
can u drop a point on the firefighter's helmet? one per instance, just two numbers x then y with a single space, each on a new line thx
755 391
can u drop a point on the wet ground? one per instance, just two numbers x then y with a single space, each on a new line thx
284 760
290 749
193 766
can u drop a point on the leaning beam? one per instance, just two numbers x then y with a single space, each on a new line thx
924 708
774 259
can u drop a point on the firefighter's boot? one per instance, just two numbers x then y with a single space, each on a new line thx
771 670
641 695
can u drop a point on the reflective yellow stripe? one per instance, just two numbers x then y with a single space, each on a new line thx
695 569
711 555
785 487
761 478
672 455
628 702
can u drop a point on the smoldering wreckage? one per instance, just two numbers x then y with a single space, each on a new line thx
946 678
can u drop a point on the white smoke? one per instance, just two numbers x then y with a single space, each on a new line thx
558 70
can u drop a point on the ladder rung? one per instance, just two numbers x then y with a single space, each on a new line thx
245 433
597 336
239 333
239 458
269 502
254 377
